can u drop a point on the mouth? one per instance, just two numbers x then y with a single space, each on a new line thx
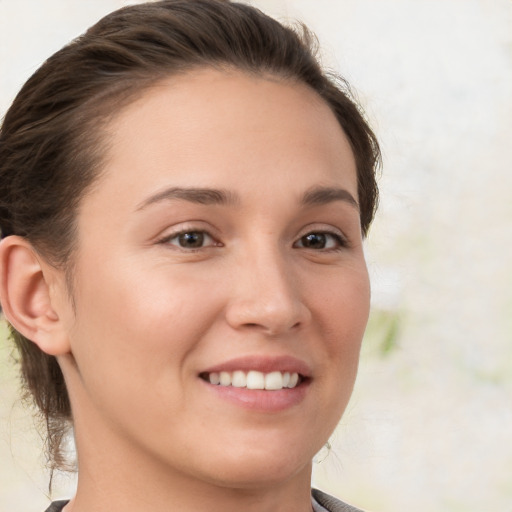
254 379
260 383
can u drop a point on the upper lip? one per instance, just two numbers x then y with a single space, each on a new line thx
264 364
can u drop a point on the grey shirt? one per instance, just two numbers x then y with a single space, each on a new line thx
325 503
321 503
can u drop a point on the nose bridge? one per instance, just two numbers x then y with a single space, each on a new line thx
266 295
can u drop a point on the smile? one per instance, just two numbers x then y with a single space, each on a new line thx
253 379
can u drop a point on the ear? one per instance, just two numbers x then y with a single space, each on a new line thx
25 294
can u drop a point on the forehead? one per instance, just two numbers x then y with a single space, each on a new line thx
226 130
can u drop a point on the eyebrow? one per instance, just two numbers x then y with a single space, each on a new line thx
211 196
205 196
323 195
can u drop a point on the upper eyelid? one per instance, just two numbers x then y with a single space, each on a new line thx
184 231
175 234
187 227
322 228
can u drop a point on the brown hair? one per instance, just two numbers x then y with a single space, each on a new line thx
51 143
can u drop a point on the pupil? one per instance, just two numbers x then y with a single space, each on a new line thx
314 241
194 239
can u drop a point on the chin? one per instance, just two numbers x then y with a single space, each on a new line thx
260 474
261 465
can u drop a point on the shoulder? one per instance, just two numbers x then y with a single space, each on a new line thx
331 504
57 506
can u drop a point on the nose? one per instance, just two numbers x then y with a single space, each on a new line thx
266 295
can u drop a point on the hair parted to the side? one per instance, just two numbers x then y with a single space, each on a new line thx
52 143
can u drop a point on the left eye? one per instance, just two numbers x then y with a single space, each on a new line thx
320 240
190 240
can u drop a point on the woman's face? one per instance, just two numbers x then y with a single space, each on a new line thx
221 242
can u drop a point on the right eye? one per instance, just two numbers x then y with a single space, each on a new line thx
190 240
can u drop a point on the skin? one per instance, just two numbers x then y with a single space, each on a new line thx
150 315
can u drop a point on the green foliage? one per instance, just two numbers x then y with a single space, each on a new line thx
383 332
8 359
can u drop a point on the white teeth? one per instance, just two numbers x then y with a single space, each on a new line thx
214 378
294 378
239 379
225 379
255 380
274 380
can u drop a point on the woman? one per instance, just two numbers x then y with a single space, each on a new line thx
184 195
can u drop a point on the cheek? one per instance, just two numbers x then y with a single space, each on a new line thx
138 315
137 312
341 309
342 312
342 306
132 352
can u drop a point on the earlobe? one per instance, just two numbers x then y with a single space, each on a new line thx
26 299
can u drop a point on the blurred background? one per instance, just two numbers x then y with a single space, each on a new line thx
429 427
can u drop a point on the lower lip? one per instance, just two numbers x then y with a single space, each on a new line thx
260 399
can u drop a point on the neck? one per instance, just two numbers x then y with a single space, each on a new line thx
129 480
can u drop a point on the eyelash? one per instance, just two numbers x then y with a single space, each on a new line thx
339 241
